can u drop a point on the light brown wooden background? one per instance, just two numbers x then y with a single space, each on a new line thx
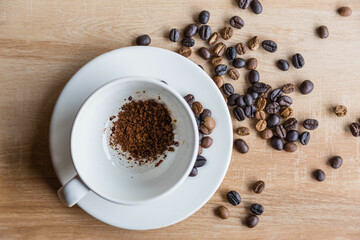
43 43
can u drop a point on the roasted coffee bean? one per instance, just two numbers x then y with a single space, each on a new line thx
205 32
243 4
273 120
237 22
228 89
355 129
260 125
275 94
319 175
197 107
345 11
285 101
240 48
240 101
190 99
311 124
323 32
230 53
259 87
204 130
304 138
190 30
254 77
174 35
232 99
219 81
185 51
234 198
292 136
254 43
143 40
290 147
250 111
204 17
241 146
200 161
336 162
219 49
261 103
260 115
214 38
256 209
209 122
256 7
290 124
204 53
252 63
216 60
227 33
287 112
239 63
239 114
243 131
277 143
283 65
272 108
194 172
267 134
248 100
223 212
298 61
280 131
253 94
206 113
259 187
221 69
267 91
252 220
188 42
234 74
206 142
288 88
340 110
269 46
306 87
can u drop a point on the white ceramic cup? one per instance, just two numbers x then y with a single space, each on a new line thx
102 171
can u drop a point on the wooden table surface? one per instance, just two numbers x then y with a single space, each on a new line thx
43 43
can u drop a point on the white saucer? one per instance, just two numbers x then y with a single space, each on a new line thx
183 75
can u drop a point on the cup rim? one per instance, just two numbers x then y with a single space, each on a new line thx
174 93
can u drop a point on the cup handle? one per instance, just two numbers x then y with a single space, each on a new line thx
73 191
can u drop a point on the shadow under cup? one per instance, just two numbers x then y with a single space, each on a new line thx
114 177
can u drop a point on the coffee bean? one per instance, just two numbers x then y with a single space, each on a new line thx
259 87
250 111
240 101
216 60
228 89
345 11
204 130
227 33
292 136
260 115
248 99
243 4
252 63
234 198
188 42
259 187
288 88
239 114
256 7
206 113
252 220
269 46
273 120
304 138
306 87
355 129
285 101
261 103
221 69
280 131
260 125
241 146
253 94
283 65
298 60
234 74
254 77
319 175
272 108
290 124
336 162
189 99
204 53
275 94
232 99
323 32
200 161
340 110
243 131
240 48
277 143
214 38
256 209
219 49
239 63
143 40
174 35
185 51
223 212
237 22
206 142
254 43
204 17
209 122
190 30
194 172
267 91
311 124
197 107
219 81
205 32
230 53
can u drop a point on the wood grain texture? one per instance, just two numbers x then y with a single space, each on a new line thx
43 43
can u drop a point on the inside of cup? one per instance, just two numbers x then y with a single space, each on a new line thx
113 176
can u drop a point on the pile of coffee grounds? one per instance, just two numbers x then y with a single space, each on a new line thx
143 129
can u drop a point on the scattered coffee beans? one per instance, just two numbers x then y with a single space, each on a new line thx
252 220
287 112
292 136
298 60
237 22
243 4
204 130
204 17
219 49
261 103
275 94
221 69
277 143
240 48
340 110
252 63
185 51
250 111
200 161
223 212
254 77
239 114
345 11
283 65
188 42
323 32
204 53
259 187
269 46
174 35
230 53
336 162
234 74
290 147
190 30
239 63
260 115
205 32
243 131
209 122
306 87
219 81
319 175
254 43
355 129
227 33
285 101
311 124
206 113
261 125
216 60
143 40
304 138
214 38
228 89
241 146
256 7
273 120
197 107
272 108
206 142
288 88
194 172
290 124
280 131
256 209
234 198
190 99
232 99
